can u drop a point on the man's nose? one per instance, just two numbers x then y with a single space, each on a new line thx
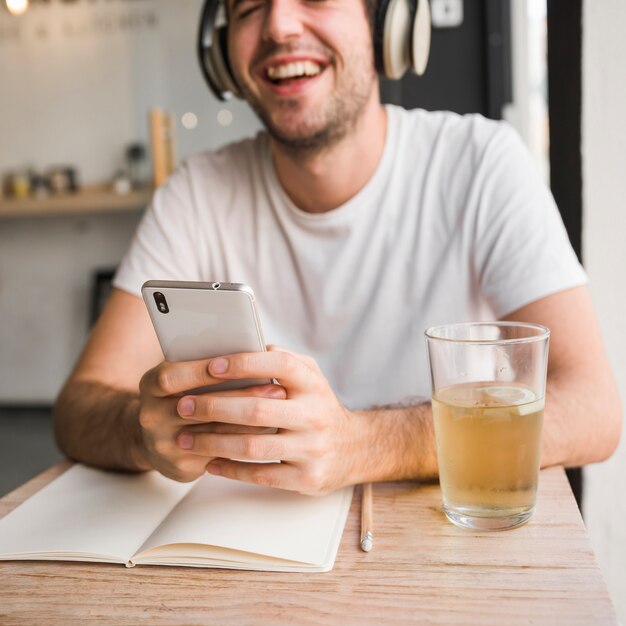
283 21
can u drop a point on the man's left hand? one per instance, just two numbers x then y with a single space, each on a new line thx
316 439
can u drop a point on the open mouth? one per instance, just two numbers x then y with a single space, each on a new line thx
293 72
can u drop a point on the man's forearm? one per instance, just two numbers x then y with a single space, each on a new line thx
582 420
98 425
396 444
399 443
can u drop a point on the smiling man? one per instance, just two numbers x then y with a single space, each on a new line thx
358 226
307 73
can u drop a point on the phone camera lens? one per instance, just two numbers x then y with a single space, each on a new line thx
161 302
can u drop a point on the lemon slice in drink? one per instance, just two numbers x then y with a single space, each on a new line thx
523 398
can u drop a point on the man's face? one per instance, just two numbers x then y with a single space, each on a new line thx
305 66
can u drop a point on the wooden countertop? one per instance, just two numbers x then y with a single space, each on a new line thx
422 570
91 199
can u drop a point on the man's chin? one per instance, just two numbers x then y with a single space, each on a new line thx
295 127
294 130
309 123
306 141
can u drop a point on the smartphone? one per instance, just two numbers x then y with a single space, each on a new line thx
195 320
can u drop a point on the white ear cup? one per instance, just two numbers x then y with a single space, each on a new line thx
406 38
420 37
207 64
395 39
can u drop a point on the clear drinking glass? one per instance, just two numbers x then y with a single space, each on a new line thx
488 389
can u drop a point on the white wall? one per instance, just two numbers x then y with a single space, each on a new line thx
517 112
76 82
528 112
45 269
604 232
78 79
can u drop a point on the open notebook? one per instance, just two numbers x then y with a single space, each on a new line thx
91 515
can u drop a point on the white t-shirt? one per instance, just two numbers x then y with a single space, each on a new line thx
455 225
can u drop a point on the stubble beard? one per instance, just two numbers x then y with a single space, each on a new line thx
324 128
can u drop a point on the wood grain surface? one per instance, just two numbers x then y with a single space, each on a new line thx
423 570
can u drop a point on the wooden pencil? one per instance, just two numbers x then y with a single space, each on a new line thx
367 535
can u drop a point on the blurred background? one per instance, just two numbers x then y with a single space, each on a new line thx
101 98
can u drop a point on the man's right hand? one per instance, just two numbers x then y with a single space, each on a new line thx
160 394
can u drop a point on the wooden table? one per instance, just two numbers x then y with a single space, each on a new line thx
423 570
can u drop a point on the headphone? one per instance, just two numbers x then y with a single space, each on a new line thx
401 41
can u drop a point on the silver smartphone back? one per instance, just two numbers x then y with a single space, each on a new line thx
195 320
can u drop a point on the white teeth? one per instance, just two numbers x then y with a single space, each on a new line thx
294 70
311 68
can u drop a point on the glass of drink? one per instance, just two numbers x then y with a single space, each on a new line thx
488 389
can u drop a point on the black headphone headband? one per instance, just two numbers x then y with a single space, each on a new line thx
401 41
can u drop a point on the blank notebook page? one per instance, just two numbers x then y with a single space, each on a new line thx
260 520
91 512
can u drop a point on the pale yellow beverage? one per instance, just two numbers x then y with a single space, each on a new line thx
488 446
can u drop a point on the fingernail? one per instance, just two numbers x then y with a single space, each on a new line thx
218 366
186 407
214 468
279 394
185 441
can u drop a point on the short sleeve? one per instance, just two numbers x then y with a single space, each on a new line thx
164 246
522 249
